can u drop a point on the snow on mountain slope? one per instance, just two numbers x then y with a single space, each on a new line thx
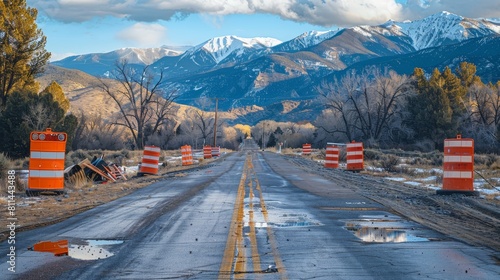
146 56
441 28
221 47
305 40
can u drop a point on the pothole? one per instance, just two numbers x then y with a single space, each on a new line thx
81 250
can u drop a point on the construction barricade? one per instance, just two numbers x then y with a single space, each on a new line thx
458 166
332 157
150 159
46 166
306 149
187 155
216 151
207 152
355 157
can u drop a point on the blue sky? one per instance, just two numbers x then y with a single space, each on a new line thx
98 26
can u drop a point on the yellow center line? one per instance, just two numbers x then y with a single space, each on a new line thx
226 267
235 247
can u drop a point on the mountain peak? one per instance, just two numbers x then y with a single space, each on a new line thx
221 47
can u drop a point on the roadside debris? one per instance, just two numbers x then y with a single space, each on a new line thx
97 171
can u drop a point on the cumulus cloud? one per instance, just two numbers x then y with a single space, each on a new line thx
144 35
318 12
415 9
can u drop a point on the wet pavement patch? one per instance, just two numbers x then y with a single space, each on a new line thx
384 229
293 220
81 250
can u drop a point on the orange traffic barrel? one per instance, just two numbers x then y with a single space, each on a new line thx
207 152
150 159
332 157
355 158
458 166
306 149
46 167
216 151
58 248
187 155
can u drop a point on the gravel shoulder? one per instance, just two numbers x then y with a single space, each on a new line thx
473 220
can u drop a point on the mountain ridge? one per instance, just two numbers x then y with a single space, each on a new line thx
262 71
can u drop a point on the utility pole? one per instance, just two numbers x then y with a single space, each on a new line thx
215 122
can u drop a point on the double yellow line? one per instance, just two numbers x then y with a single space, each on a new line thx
234 261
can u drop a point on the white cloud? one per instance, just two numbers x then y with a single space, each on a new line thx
473 9
318 12
144 35
59 56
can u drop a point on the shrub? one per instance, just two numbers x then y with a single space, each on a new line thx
372 154
389 162
5 165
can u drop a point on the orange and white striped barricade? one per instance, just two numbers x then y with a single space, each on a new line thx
306 149
46 167
332 156
458 166
216 151
187 155
207 152
354 156
150 159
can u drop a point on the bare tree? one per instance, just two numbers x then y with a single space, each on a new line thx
94 132
369 103
37 117
140 99
204 121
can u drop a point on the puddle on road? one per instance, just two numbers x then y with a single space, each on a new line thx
83 250
383 229
293 220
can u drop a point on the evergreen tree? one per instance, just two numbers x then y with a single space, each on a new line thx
456 93
58 95
14 131
22 48
466 72
430 114
272 141
26 112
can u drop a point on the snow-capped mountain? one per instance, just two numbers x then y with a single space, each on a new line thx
442 28
222 47
100 63
259 71
305 40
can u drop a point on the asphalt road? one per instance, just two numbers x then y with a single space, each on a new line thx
250 215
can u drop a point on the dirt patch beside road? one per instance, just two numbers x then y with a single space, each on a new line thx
473 220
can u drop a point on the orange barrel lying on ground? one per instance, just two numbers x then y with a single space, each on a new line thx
150 159
58 248
306 149
207 152
332 156
458 166
187 155
355 157
46 167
